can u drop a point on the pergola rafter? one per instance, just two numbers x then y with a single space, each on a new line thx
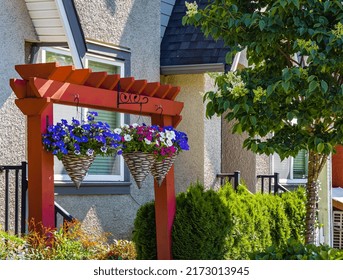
42 85
96 90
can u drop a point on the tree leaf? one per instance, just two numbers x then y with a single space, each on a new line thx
313 85
262 24
326 6
296 3
324 86
253 120
320 147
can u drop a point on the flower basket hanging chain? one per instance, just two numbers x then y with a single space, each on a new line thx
77 144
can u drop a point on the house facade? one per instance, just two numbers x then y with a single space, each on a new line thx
121 37
144 39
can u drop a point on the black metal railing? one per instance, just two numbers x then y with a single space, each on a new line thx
67 217
273 183
18 204
228 177
20 190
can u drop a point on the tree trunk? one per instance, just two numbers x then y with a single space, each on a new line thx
316 163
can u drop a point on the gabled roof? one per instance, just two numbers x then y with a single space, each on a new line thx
184 49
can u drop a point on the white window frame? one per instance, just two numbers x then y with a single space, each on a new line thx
101 59
286 181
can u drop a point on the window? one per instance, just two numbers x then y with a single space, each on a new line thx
292 170
105 171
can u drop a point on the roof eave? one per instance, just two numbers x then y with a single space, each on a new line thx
192 69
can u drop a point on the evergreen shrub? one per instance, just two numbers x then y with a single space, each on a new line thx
201 225
144 233
224 224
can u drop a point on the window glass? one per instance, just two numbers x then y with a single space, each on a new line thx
292 168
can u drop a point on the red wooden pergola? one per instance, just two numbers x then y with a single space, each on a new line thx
43 84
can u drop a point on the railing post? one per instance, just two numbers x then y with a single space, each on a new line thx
236 179
7 186
23 196
276 182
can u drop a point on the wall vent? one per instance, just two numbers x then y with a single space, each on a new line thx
338 229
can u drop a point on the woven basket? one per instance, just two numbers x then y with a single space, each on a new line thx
161 168
139 164
77 167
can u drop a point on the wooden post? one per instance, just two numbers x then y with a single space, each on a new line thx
165 204
40 164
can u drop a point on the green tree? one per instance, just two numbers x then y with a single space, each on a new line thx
291 96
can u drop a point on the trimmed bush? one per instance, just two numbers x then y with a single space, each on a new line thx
224 224
144 233
201 225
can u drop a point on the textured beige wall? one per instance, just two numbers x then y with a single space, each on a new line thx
189 165
15 28
131 23
235 158
202 162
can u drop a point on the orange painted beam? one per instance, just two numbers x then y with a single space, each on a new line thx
150 89
110 81
174 91
61 73
78 76
32 106
138 86
126 83
95 79
165 204
40 70
64 93
162 91
19 87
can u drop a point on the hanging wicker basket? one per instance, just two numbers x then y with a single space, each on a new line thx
139 164
161 168
77 167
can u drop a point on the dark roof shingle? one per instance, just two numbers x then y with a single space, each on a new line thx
187 45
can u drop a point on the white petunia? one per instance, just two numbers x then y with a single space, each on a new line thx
170 134
162 135
117 130
125 126
162 141
147 141
127 137
169 143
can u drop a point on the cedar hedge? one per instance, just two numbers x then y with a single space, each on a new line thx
224 224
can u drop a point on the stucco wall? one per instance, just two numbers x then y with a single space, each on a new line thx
133 24
235 158
202 162
15 28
